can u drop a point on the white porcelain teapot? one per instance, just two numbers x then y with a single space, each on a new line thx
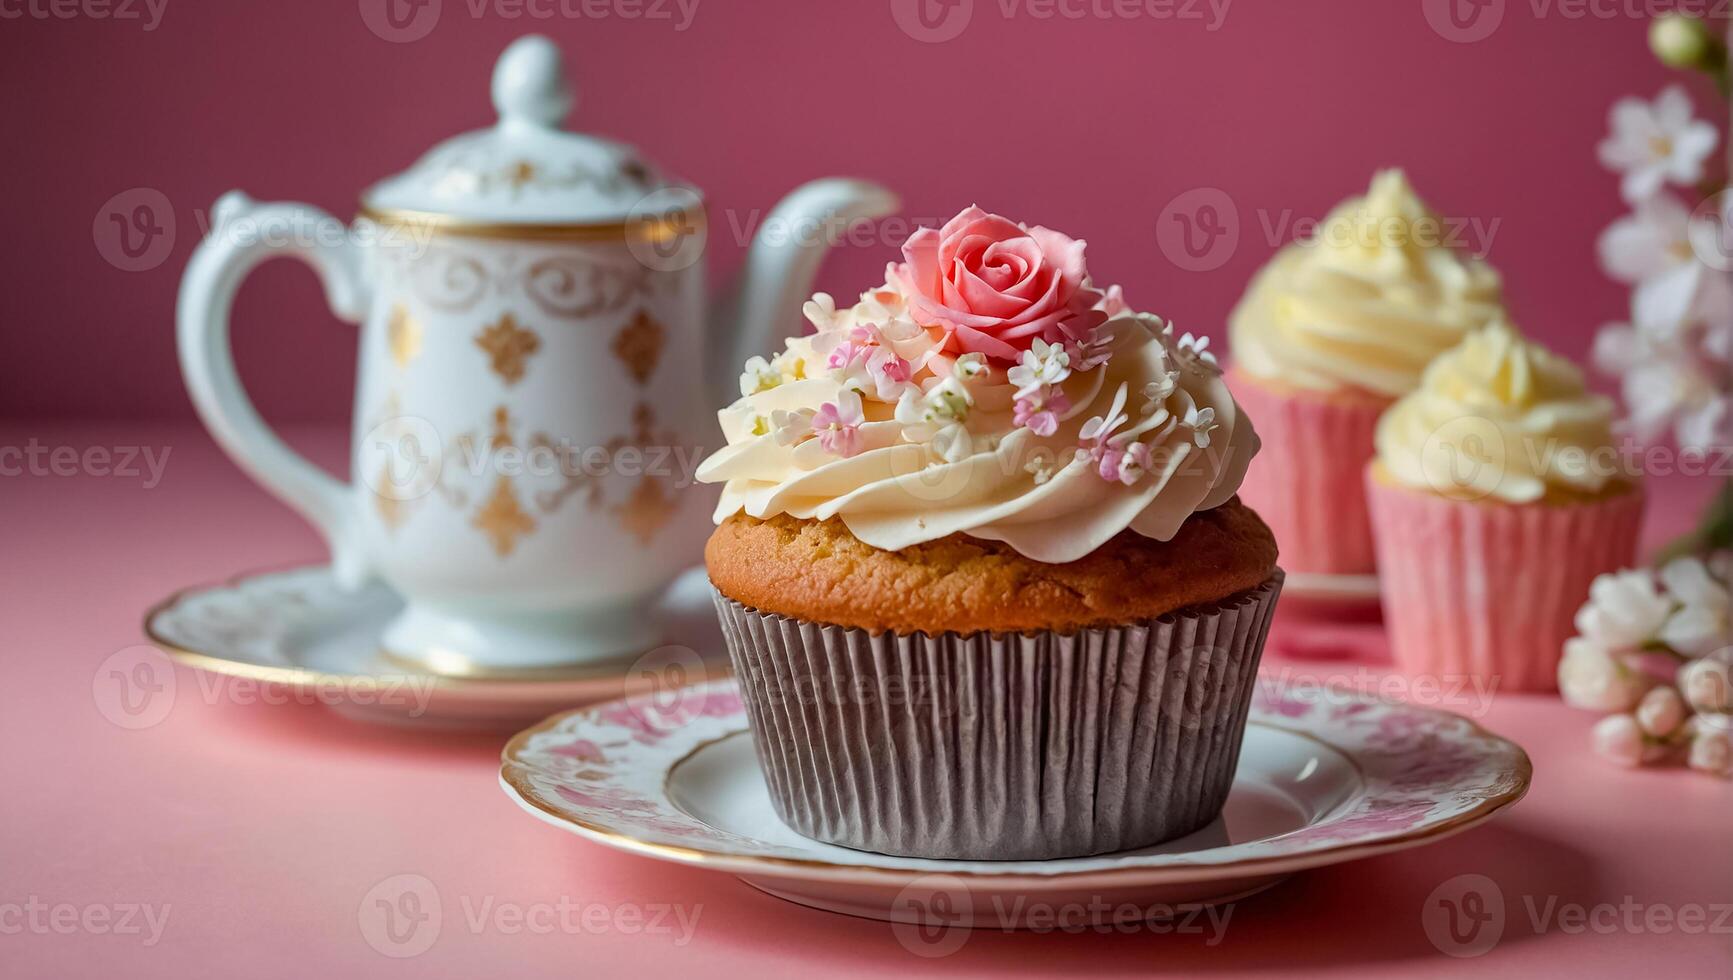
537 375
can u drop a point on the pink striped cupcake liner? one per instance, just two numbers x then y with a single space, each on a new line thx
1307 481
1489 590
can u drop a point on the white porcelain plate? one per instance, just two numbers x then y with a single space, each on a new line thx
1324 777
296 629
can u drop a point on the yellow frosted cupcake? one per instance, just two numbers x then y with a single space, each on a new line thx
1335 328
1496 498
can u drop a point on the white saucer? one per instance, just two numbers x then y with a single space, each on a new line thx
296 630
1324 777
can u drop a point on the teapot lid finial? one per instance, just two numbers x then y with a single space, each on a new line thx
529 83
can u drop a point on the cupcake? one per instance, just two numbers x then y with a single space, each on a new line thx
980 564
1335 328
1496 498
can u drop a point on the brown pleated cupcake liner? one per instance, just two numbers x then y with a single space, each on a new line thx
1000 746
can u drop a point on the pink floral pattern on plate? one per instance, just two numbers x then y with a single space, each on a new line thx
1423 772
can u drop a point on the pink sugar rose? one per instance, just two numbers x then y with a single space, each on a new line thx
995 285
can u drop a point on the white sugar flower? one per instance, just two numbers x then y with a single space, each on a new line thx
1040 467
937 417
948 401
760 375
1701 625
1201 422
1595 680
791 427
970 367
1196 354
1043 364
1653 143
1158 391
1650 240
1625 611
820 311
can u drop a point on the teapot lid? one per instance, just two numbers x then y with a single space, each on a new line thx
526 169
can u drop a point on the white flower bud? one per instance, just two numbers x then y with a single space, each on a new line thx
1593 679
1712 752
1618 739
1661 712
1680 40
1708 683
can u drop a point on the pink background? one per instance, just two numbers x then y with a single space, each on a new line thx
1092 126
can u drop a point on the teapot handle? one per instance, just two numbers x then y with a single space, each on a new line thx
243 235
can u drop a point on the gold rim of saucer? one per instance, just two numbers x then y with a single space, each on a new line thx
529 682
514 774
653 230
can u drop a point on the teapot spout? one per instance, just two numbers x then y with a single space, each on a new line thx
781 264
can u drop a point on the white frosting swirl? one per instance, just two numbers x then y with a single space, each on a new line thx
951 450
1499 416
1367 301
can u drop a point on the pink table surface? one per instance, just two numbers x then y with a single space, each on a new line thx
259 830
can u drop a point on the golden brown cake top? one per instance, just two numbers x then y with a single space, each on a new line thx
819 572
